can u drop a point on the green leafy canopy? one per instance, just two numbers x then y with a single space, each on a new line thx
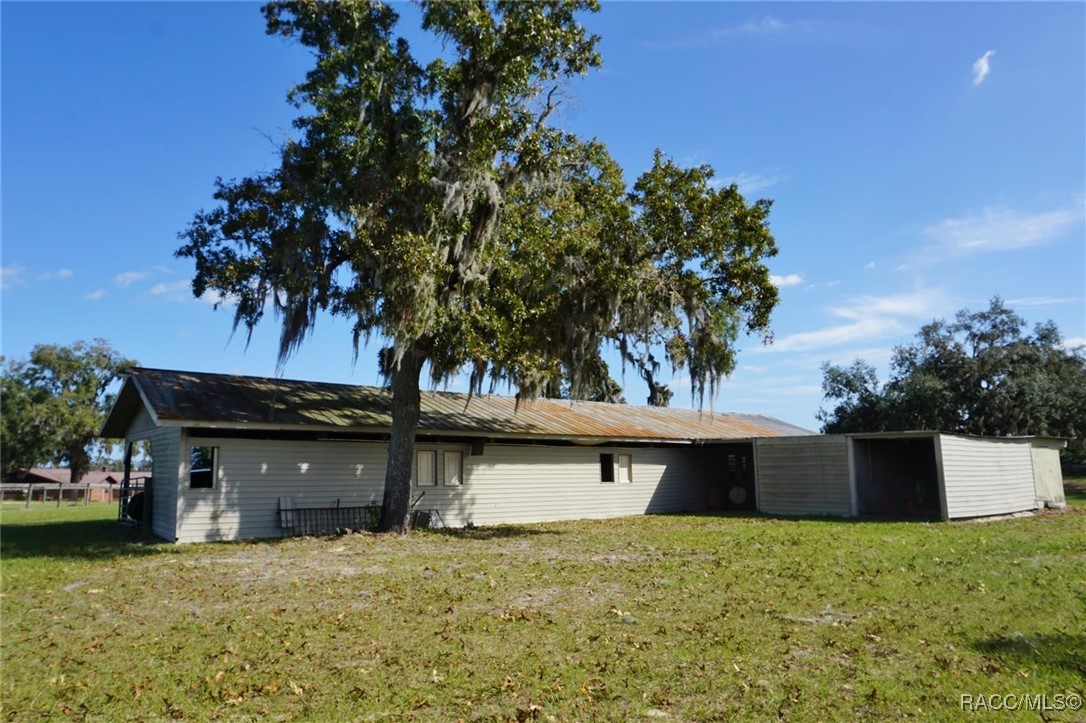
54 404
437 207
981 374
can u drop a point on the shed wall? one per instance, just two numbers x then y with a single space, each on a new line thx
804 475
986 476
508 483
165 457
1047 475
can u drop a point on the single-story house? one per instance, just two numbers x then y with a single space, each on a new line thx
243 457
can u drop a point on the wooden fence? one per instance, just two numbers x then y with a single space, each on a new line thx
57 492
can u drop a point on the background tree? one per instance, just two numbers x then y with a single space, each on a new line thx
55 402
27 429
981 374
434 206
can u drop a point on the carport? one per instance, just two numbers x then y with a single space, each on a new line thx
896 477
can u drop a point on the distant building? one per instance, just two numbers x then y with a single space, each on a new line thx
105 484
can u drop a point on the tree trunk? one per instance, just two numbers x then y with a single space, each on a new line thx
406 403
78 463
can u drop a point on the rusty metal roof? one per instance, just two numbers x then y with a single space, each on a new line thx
217 400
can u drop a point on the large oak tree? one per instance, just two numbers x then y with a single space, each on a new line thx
54 404
437 207
981 374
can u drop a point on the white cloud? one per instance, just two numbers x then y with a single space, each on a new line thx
869 265
867 319
213 297
127 278
981 68
1042 301
173 290
768 26
181 291
763 26
11 275
1074 342
786 280
96 295
999 230
863 329
58 274
749 183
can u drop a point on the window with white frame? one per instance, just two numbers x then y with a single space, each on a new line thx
625 469
426 468
453 469
203 463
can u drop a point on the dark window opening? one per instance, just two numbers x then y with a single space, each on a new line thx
607 468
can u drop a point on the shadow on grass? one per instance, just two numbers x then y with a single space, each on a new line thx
1075 491
1059 652
828 519
76 540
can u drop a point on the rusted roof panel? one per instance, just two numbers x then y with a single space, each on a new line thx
237 401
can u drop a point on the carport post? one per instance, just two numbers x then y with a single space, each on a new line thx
852 476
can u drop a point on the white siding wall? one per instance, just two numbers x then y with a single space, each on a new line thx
253 474
537 483
986 476
165 451
505 484
803 475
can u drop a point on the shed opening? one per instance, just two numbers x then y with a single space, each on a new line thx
896 477
732 485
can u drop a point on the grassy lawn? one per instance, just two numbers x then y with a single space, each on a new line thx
666 617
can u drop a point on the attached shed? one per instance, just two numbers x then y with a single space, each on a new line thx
929 475
240 457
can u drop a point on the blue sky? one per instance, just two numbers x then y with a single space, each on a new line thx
921 157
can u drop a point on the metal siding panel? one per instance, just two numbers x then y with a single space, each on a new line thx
804 476
1047 475
987 476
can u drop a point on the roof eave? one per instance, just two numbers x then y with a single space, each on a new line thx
588 441
124 409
